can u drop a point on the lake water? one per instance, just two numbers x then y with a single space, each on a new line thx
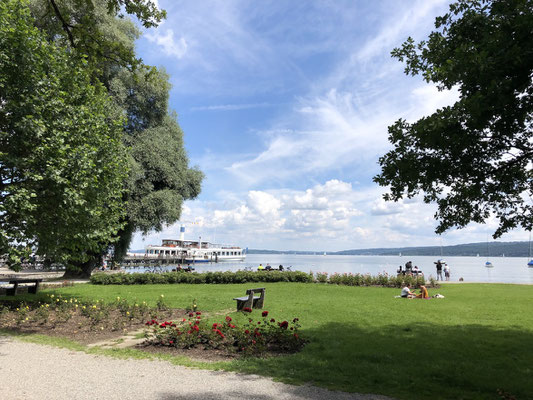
471 269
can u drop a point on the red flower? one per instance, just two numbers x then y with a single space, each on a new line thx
198 313
228 318
247 309
284 325
295 320
215 325
219 333
264 313
183 320
196 322
170 342
198 317
296 335
272 320
254 342
191 314
247 331
196 328
258 322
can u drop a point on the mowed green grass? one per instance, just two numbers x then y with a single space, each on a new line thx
476 341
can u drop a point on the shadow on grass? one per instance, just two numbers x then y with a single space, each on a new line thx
418 361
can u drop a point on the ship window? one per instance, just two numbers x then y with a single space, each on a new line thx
157 252
173 252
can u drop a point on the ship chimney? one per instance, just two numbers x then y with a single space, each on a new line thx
182 233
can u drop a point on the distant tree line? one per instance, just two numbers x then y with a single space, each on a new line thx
495 249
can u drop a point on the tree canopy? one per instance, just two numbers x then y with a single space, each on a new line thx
62 160
474 158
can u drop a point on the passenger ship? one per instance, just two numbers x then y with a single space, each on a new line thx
194 251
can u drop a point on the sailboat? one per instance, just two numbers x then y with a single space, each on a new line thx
530 262
488 264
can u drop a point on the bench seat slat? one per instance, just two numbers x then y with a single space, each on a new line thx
245 298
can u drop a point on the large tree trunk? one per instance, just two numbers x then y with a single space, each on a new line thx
125 236
83 270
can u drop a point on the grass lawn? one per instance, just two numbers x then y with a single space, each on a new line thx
475 342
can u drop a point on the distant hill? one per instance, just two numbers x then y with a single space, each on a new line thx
495 249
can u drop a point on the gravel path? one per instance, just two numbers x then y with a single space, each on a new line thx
30 371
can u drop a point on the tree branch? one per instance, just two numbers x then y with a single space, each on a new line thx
66 27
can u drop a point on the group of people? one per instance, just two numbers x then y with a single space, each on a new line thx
269 268
410 270
406 292
442 266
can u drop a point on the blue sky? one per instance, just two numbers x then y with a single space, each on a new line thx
285 106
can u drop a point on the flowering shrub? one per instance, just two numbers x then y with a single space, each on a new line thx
200 278
321 277
253 338
349 279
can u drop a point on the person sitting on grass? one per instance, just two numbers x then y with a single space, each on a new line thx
423 293
406 292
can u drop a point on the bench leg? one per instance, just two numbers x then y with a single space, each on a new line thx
33 289
241 304
12 291
258 303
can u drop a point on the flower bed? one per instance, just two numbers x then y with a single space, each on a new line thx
85 322
259 276
257 336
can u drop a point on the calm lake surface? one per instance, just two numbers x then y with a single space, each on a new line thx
471 269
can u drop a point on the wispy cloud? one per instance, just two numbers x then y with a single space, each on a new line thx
231 107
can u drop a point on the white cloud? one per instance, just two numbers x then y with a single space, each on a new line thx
171 47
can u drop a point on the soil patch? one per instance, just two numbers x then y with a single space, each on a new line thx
78 327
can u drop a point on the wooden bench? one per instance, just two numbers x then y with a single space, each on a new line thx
16 281
250 300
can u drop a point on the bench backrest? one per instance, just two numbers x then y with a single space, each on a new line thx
262 290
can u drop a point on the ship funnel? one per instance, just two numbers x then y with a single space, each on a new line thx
182 233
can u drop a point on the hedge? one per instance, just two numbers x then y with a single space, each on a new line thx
215 277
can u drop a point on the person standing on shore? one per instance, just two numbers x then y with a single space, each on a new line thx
439 270
446 272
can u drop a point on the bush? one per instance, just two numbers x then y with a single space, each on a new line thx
221 277
255 337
